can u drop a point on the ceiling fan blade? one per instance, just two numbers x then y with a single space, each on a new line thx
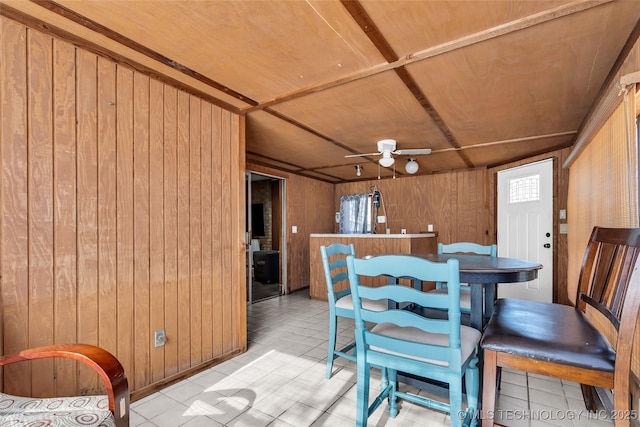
413 152
362 155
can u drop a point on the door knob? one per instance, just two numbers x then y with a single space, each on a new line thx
547 245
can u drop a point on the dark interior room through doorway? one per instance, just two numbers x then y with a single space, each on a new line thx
264 236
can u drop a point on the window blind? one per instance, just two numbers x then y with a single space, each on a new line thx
603 184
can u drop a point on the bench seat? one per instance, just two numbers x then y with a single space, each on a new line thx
80 411
550 332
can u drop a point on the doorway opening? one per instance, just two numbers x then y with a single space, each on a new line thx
265 239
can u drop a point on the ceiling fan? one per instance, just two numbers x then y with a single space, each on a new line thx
387 147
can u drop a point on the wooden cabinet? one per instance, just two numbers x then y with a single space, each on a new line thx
365 244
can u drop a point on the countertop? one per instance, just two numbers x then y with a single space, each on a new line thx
377 236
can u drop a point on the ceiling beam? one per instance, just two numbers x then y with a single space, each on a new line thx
480 36
94 26
507 141
371 30
397 64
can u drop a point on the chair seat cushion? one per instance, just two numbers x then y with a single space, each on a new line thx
346 302
469 338
548 332
90 411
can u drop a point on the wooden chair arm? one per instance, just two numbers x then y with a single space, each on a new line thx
104 363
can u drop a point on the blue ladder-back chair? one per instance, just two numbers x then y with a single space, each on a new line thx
465 248
339 297
403 341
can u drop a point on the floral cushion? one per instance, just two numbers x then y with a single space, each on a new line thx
18 411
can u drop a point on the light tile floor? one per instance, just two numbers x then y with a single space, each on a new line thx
280 382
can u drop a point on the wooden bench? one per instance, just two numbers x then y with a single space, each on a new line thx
590 343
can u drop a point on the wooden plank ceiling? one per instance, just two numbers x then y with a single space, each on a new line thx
478 82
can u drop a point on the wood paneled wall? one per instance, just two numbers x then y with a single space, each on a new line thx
120 214
466 211
460 204
456 203
462 207
309 208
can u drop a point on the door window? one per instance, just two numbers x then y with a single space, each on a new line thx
526 189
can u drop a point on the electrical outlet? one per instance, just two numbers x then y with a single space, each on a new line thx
159 338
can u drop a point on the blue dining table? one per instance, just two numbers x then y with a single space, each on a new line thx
484 272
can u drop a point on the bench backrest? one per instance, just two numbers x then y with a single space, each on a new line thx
607 267
609 296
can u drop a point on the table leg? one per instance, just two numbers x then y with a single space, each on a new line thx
489 300
477 321
476 306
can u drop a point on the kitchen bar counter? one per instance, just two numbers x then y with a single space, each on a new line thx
365 244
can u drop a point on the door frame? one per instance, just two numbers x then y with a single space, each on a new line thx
283 242
552 210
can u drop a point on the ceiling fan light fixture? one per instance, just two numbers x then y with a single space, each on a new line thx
386 160
386 145
412 166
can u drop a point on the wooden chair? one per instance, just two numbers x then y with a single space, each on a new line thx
90 410
403 341
339 297
590 343
465 248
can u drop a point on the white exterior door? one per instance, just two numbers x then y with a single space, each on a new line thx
525 226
